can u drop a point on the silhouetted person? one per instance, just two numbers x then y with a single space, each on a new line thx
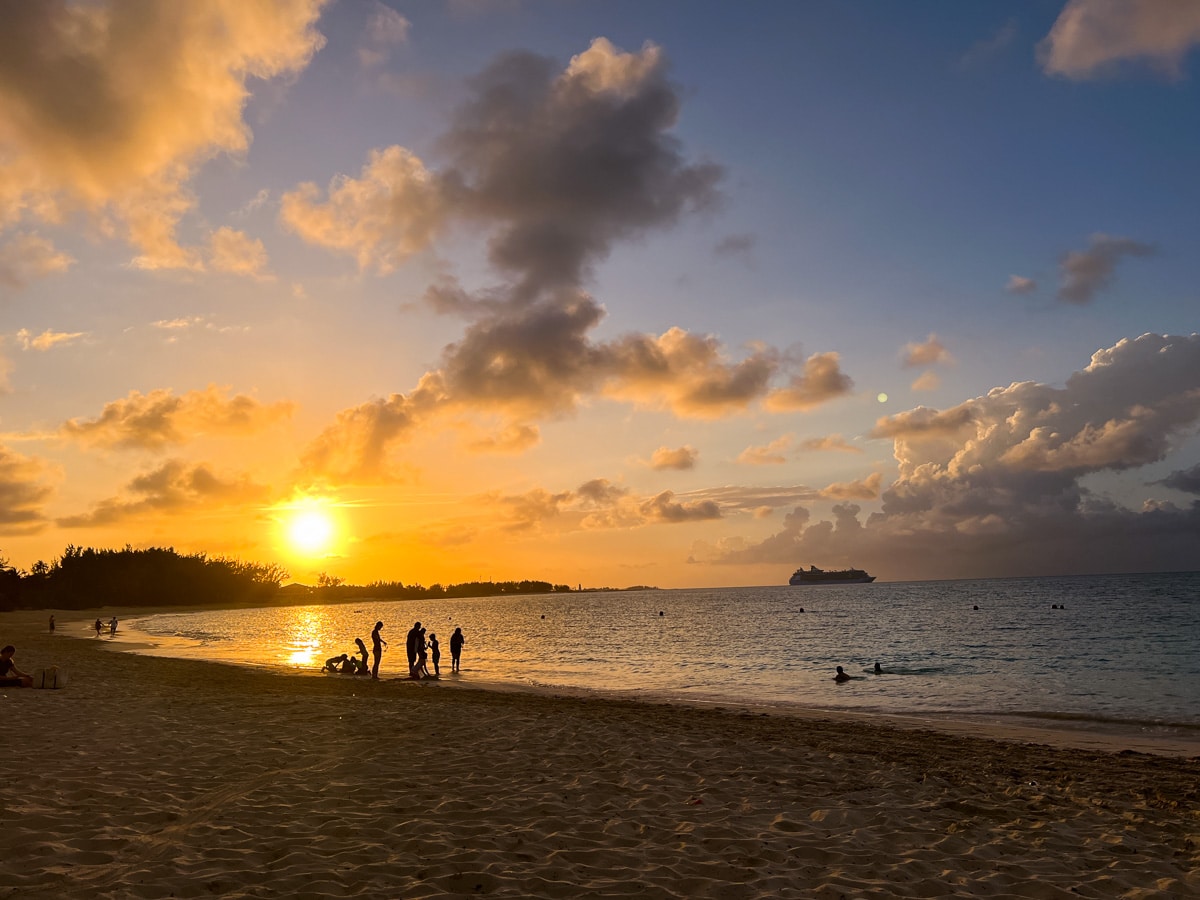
52 624
420 669
456 644
878 669
841 676
377 645
414 638
348 666
363 668
10 675
112 627
99 626
435 653
334 663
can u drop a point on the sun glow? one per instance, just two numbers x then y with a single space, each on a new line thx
310 528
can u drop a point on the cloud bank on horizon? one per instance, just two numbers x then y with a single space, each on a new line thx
550 307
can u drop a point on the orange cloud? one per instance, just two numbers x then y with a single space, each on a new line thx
862 489
680 458
831 442
1090 36
47 339
28 256
931 352
175 487
152 421
773 453
23 492
107 109
820 381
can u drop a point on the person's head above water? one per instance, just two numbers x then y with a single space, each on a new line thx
839 670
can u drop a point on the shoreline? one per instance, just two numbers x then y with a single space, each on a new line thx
1105 735
149 776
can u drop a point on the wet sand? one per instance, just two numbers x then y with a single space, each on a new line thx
151 777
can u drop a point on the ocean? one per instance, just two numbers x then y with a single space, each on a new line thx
1095 651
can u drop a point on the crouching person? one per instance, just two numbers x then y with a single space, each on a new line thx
10 675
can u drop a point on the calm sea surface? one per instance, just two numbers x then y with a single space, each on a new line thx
1125 649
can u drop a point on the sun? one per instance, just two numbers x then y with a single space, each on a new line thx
311 531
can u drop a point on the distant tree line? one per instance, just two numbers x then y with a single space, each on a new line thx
330 587
83 578
87 578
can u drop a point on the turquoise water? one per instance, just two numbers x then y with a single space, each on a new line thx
1123 649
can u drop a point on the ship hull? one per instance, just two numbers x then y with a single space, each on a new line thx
813 575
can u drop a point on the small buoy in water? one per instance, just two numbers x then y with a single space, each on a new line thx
543 617
802 609
974 607
660 612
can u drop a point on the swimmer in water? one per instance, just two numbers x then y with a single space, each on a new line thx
878 669
841 676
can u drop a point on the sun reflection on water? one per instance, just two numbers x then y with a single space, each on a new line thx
306 630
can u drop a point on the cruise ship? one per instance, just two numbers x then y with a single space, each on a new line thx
813 575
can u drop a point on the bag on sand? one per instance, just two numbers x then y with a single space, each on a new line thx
51 678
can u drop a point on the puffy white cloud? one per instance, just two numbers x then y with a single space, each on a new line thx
1086 272
1090 36
154 420
84 127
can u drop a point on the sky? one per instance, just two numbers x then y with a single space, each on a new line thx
603 293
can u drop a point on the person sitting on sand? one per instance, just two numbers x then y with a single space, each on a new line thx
334 663
10 675
841 676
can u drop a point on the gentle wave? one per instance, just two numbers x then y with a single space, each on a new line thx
1123 648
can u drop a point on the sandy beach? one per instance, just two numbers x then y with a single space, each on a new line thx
156 778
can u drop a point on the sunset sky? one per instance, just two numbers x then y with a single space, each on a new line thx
603 292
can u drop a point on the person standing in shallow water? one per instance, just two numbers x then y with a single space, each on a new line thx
456 644
99 625
377 645
435 653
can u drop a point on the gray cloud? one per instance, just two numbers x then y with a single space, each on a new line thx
557 165
1086 272
994 484
1186 480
